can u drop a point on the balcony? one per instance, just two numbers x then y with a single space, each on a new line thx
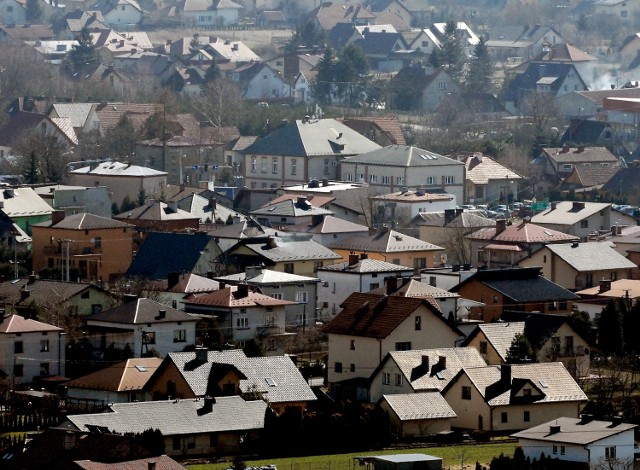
53 250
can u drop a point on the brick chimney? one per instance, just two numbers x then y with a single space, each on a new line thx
56 217
501 226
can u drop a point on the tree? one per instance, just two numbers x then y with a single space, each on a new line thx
83 54
452 54
520 350
33 11
480 73
325 77
194 44
220 103
212 73
120 141
306 35
42 157
541 108
609 323
344 76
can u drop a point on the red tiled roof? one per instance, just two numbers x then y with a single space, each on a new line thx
524 232
228 297
18 324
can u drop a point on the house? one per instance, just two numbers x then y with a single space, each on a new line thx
31 350
588 178
156 216
552 338
258 81
120 383
300 291
302 150
426 41
13 13
576 218
402 206
188 375
577 266
14 239
384 130
208 210
182 252
583 440
141 327
211 49
488 181
553 79
594 299
74 21
188 427
25 33
125 181
163 462
468 38
290 254
120 13
587 104
504 245
177 286
24 207
404 460
289 211
420 370
359 274
420 87
76 199
589 133
617 8
414 415
242 228
514 289
629 50
327 229
392 168
386 51
105 116
521 41
97 249
328 15
48 299
371 325
560 162
206 13
391 246
243 316
621 184
512 397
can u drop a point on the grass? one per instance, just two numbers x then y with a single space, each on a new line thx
451 455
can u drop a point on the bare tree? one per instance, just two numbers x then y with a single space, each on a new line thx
220 103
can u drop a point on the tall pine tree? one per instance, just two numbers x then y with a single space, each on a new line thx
480 73
452 54
610 327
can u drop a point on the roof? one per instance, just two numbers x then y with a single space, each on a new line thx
526 34
286 384
590 176
482 169
574 431
500 335
141 311
199 206
412 196
329 14
109 114
84 221
311 138
18 324
580 155
329 224
163 462
41 292
313 199
433 369
291 208
389 125
569 212
118 169
424 405
584 257
520 284
529 79
157 211
385 241
619 289
402 156
367 265
278 249
418 289
267 276
131 374
188 283
376 316
181 253
524 232
178 417
550 378
77 112
23 202
564 53
229 297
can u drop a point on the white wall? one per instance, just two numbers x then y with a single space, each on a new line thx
32 357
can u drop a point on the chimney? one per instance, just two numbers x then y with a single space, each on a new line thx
253 271
201 354
501 226
272 242
505 374
449 215
221 285
577 206
213 202
565 148
172 206
605 285
553 206
325 182
466 267
129 298
554 429
182 186
24 294
580 149
207 407
353 259
384 228
301 201
32 279
151 465
56 217
420 192
237 219
316 219
172 279
242 292
161 314
585 418
392 284
442 362
364 255
425 361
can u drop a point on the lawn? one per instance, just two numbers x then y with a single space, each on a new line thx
451 455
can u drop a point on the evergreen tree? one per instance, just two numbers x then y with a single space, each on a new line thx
306 35
452 54
33 11
82 55
194 44
480 73
520 350
325 77
435 59
610 323
212 73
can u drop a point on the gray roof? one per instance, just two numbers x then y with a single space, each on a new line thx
574 431
288 383
118 169
569 212
388 241
178 417
367 265
23 202
293 250
314 137
77 112
425 405
435 376
268 276
141 311
584 257
85 221
291 208
402 156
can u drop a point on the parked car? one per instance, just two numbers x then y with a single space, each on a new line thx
468 207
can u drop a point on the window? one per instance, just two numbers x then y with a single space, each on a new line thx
374 285
9 9
44 368
623 13
398 380
442 85
263 165
44 345
466 393
213 439
325 166
433 281
269 320
294 166
149 337
425 43
179 336
386 180
353 345
555 345
253 165
373 178
18 347
449 180
610 452
338 367
403 346
555 450
288 268
584 224
483 347
566 166
274 165
301 319
97 242
349 177
431 180
277 295
504 417
302 297
526 392
399 180
386 378
176 443
563 450
352 368
568 345
85 295
419 263
418 323
242 323
526 417
18 370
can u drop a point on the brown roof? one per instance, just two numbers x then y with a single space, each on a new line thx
131 374
110 113
482 169
163 462
375 315
385 241
329 224
317 201
387 124
524 232
412 196
228 297
84 221
580 154
41 292
29 32
598 96
329 14
590 176
564 53
18 324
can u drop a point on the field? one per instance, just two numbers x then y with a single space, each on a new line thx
452 456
